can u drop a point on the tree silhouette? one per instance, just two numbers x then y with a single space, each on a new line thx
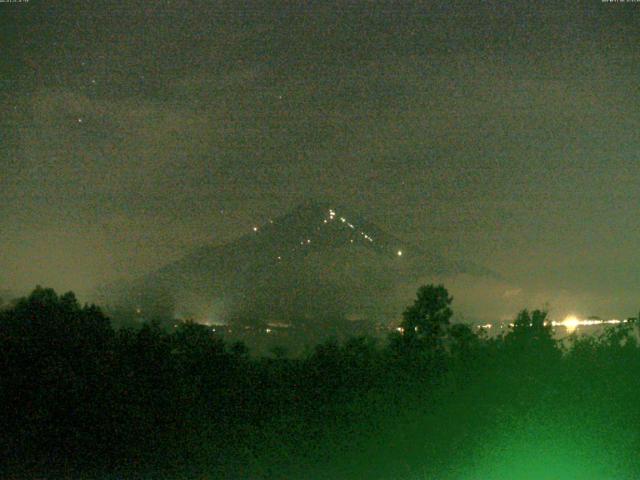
463 341
428 317
531 328
530 340
77 399
55 355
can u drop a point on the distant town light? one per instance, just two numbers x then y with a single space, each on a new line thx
399 253
255 229
571 322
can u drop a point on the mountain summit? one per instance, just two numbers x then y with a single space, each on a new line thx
317 261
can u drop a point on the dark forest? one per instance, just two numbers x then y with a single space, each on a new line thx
81 399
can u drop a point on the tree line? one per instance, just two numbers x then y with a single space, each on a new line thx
80 399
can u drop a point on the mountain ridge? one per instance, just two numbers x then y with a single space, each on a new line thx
318 259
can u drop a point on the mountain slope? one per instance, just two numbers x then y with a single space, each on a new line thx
316 262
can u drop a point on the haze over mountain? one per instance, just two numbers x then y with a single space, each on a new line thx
316 263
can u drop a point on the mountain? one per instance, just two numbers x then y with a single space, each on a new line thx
318 262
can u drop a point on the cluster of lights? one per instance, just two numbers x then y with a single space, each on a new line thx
572 322
401 330
331 217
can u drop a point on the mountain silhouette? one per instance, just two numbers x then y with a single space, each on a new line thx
316 263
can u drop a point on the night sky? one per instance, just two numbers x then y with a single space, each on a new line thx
132 132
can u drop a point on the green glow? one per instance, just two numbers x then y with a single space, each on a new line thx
544 452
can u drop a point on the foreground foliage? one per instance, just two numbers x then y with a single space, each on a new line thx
81 400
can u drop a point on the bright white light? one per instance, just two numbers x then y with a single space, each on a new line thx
399 253
571 322
255 229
